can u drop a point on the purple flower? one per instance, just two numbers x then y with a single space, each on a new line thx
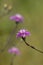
23 33
14 50
17 18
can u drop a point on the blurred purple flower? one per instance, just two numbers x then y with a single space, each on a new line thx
23 33
17 18
14 50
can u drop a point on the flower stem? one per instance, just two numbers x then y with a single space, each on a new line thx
32 46
12 60
9 39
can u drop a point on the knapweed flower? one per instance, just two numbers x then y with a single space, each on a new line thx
14 50
17 18
23 33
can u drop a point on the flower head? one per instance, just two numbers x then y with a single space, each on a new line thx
10 8
5 5
23 33
14 50
17 18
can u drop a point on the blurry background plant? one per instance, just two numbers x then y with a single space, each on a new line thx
5 10
15 51
32 10
17 19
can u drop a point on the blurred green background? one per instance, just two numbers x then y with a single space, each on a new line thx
32 10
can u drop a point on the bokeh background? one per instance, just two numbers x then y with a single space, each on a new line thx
32 10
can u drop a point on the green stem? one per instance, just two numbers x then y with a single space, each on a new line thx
32 46
9 39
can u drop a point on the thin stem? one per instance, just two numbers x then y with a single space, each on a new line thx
10 38
32 46
12 60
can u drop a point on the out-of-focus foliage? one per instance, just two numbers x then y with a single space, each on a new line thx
32 10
